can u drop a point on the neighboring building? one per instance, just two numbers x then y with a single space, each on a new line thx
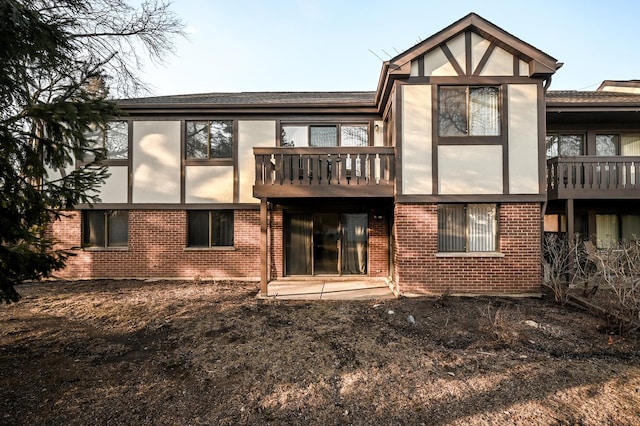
436 181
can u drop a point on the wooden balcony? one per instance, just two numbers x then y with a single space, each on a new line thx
283 172
593 177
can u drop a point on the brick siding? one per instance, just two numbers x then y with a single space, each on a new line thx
157 248
419 270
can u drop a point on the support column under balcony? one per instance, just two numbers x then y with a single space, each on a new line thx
264 266
571 228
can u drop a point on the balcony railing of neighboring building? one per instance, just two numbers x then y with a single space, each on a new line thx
324 172
593 177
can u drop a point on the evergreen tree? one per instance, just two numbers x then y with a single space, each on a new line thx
54 59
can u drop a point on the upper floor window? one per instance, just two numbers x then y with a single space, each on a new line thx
618 144
467 228
209 139
469 111
112 140
564 145
324 135
105 228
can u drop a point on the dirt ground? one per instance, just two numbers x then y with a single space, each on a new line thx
210 353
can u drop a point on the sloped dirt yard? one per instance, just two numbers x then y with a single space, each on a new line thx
210 353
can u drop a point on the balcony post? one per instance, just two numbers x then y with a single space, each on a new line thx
571 232
263 248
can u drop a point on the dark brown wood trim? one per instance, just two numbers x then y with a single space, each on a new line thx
397 112
236 171
504 135
542 136
434 139
130 164
326 191
197 110
183 161
452 59
151 206
468 51
471 140
484 60
516 66
590 146
420 61
481 80
570 220
472 198
211 161
264 265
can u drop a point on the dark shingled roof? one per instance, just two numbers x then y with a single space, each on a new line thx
260 99
574 97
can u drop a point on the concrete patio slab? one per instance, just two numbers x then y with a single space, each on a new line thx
330 289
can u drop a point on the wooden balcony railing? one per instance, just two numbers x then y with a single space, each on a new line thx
593 177
324 172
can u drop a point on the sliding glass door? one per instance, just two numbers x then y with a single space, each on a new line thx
326 244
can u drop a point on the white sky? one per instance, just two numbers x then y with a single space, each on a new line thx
325 45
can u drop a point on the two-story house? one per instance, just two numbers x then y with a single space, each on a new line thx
436 181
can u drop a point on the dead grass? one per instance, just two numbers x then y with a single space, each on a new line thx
129 352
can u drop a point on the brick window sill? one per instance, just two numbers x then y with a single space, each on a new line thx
210 248
471 254
105 248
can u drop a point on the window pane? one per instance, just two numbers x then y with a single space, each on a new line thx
354 135
630 145
94 228
198 228
116 142
94 142
118 228
197 133
571 145
452 111
630 227
484 118
451 227
323 136
222 228
606 145
481 220
552 146
221 139
607 231
294 136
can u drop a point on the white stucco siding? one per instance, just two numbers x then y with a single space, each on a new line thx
156 162
523 139
416 139
469 169
208 184
436 63
500 63
458 50
479 46
252 134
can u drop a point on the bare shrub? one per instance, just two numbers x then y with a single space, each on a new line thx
619 272
566 266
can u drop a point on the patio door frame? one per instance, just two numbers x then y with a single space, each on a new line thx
312 244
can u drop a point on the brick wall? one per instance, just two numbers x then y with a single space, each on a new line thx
378 245
157 240
419 270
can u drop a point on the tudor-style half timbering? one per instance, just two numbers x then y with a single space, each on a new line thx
471 106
